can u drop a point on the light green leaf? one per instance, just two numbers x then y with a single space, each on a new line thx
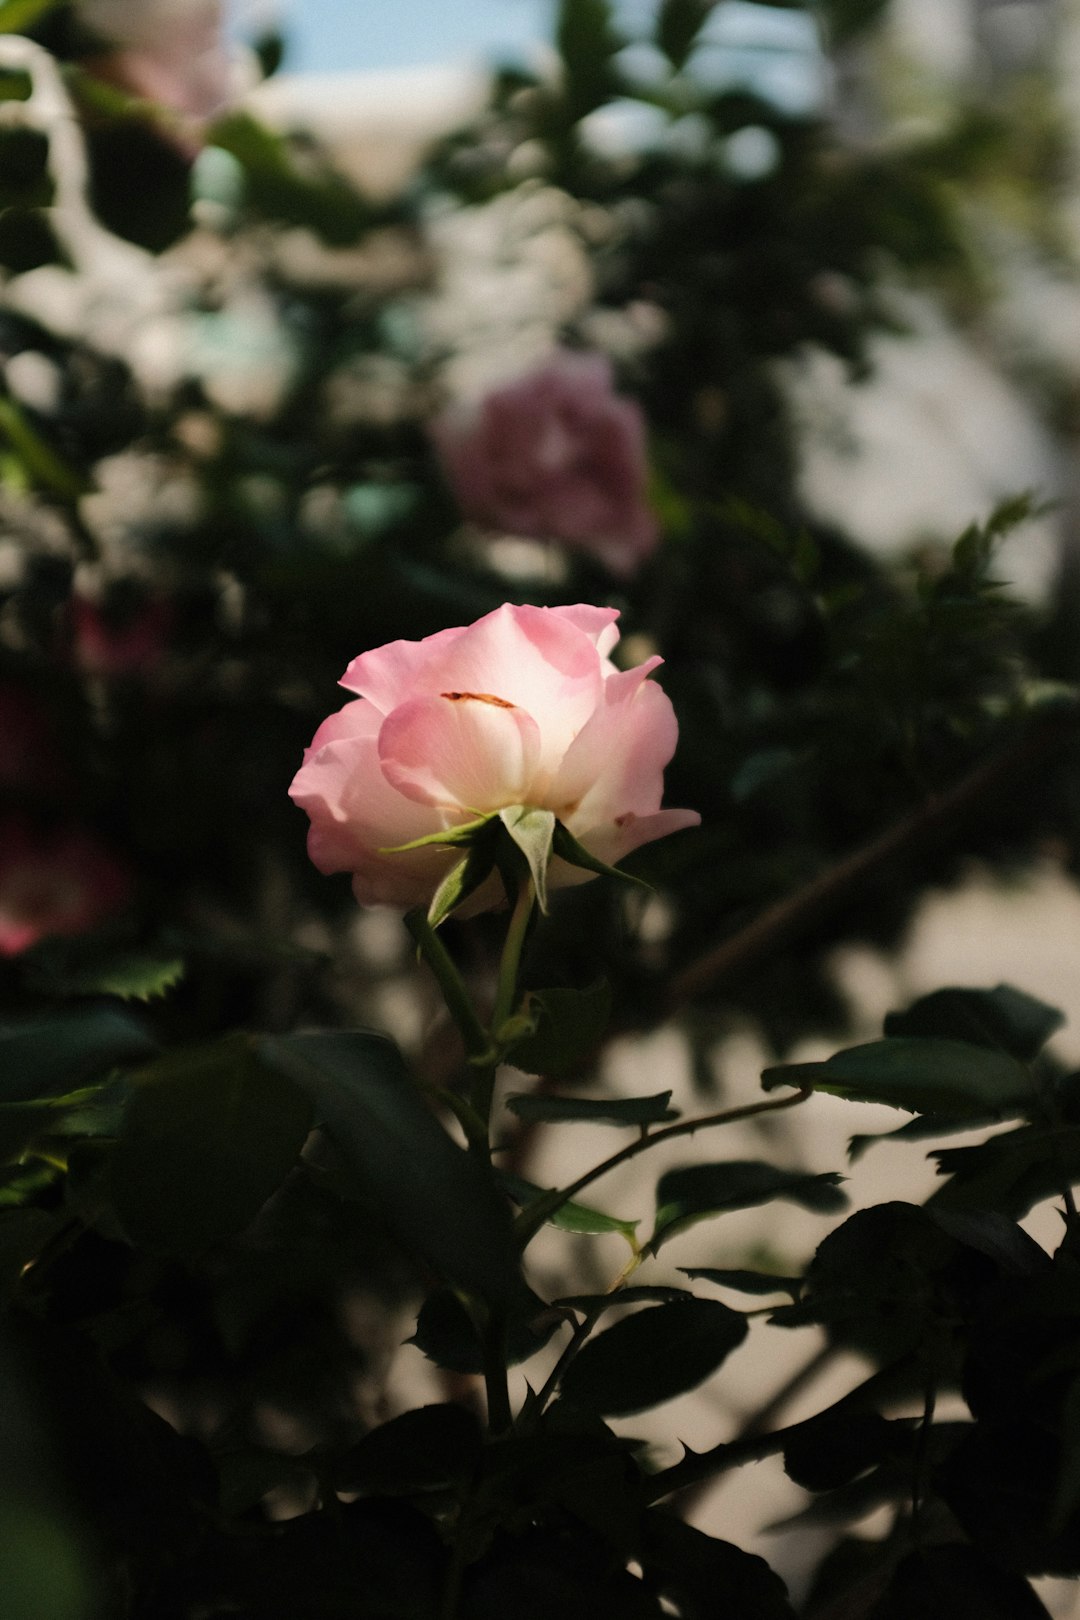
570 1217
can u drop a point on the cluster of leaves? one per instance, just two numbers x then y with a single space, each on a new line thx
145 1188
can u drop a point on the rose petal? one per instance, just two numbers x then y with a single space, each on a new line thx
461 751
355 813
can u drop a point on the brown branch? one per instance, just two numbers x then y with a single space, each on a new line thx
797 912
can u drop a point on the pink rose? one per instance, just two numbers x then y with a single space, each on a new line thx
555 455
172 52
523 707
60 882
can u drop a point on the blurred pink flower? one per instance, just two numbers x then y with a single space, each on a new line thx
171 52
102 645
556 454
29 757
522 707
53 882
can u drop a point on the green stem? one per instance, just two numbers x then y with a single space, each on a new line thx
540 1211
506 995
483 1088
478 1046
493 1336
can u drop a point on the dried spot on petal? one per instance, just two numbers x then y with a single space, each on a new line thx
477 697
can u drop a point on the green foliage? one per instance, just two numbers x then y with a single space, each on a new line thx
547 1109
702 1191
433 1197
586 41
652 1356
208 1136
18 15
923 1076
568 1026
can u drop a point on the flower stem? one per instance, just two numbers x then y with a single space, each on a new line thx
536 1214
478 1046
483 1088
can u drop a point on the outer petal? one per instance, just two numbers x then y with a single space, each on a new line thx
390 675
355 813
616 763
460 751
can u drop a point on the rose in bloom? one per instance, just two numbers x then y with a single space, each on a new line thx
58 882
524 707
558 455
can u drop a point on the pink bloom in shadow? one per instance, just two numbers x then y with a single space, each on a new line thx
29 756
106 643
53 882
522 707
558 455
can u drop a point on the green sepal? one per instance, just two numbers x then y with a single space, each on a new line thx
567 848
465 833
462 880
533 832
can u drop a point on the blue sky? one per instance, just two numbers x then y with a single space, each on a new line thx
338 35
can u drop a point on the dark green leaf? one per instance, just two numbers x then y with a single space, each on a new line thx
446 1334
836 1448
652 1356
50 1057
923 1128
586 41
922 1076
532 831
678 24
846 19
429 1449
276 187
1000 1018
246 1475
546 1109
955 1582
707 1577
700 1191
436 1198
746 1282
642 1294
569 1024
209 1135
881 1282
1010 1173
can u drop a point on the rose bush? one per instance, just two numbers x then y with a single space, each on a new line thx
522 707
557 455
